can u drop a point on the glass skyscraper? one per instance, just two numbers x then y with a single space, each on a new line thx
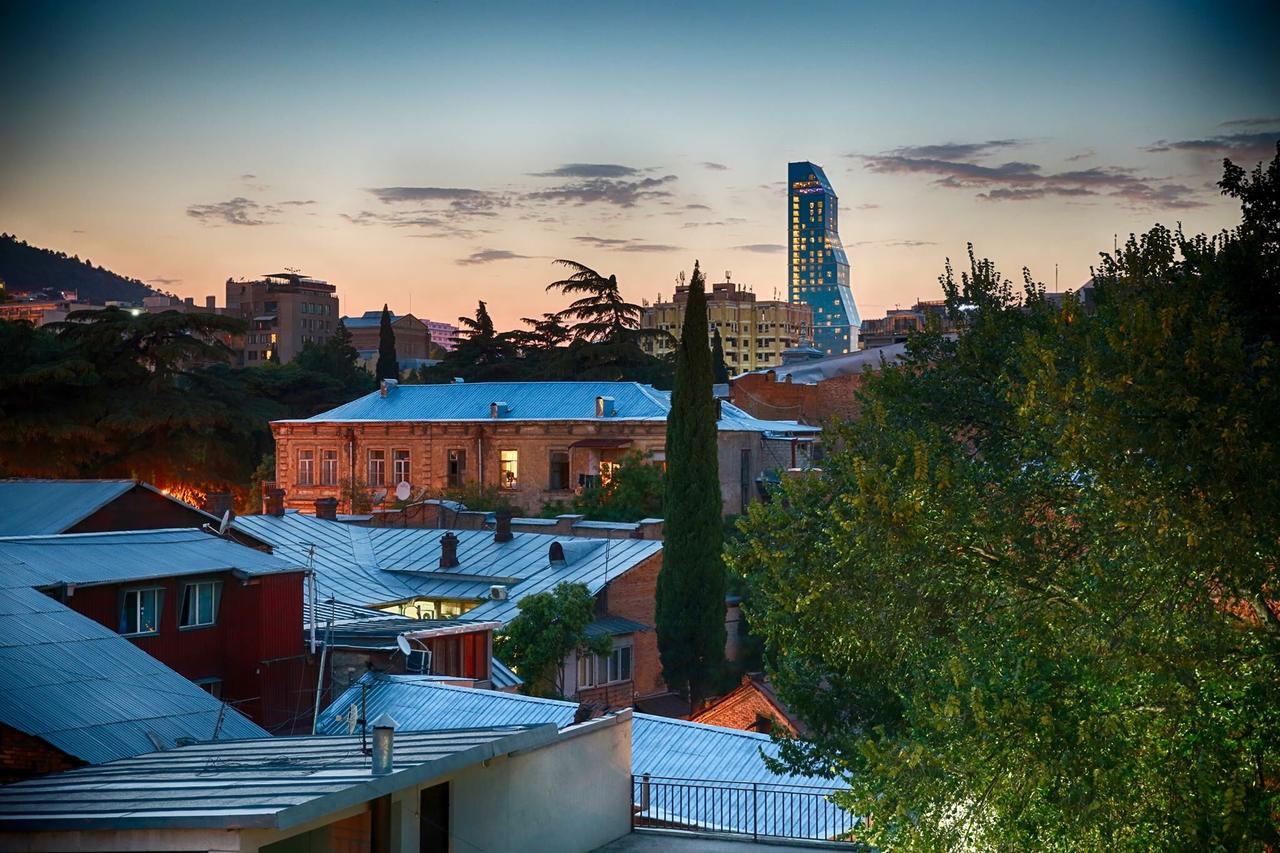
818 265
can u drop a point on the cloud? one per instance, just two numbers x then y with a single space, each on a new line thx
1266 121
716 223
762 248
297 202
589 170
460 200
237 211
1022 181
622 193
866 206
1083 155
247 177
488 256
164 282
898 244
1244 146
618 244
714 167
955 150
697 207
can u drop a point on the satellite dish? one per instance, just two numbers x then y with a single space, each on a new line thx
225 523
403 642
403 490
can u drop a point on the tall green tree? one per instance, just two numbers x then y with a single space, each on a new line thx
549 627
719 369
1031 602
600 312
691 583
388 366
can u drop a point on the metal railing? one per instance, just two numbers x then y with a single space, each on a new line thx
755 809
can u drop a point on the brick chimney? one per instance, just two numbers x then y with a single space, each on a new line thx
448 550
502 526
217 503
272 500
327 508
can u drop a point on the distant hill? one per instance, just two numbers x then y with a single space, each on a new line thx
30 268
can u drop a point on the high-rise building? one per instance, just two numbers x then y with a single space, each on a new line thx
753 333
819 269
285 311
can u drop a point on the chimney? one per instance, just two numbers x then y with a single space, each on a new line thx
211 303
327 508
384 733
387 386
272 500
502 526
604 407
219 503
190 300
497 410
448 550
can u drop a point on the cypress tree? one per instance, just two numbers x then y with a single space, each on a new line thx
691 584
719 370
388 366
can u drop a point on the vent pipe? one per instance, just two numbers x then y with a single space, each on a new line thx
384 733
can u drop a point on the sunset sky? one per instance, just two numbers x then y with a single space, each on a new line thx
444 152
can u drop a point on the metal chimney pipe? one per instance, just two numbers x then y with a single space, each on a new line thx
384 733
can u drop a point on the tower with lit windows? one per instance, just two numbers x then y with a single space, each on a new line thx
818 267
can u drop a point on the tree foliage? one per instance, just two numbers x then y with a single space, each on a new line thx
1031 602
549 626
691 583
633 492
388 366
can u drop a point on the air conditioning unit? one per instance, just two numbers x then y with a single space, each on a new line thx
498 592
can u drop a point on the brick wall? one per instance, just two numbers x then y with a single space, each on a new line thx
763 397
23 756
634 596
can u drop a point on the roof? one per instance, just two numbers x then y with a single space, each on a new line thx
815 370
378 566
660 747
277 783
502 677
34 507
615 626
132 555
755 695
530 401
90 692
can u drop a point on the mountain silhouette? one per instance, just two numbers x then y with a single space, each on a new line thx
24 267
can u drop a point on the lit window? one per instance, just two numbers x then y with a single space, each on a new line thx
200 604
377 467
306 467
140 611
508 468
400 466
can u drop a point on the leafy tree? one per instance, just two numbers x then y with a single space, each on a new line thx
337 358
388 366
550 626
691 583
600 311
633 492
719 369
1031 602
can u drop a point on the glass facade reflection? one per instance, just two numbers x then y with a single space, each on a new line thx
818 268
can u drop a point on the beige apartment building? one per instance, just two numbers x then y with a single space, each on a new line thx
754 332
284 311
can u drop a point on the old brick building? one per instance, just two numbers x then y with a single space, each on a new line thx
752 706
536 441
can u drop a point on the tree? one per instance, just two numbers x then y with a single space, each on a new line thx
719 369
632 493
691 583
1031 601
550 626
601 312
388 366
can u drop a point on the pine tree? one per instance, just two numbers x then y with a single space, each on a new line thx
719 370
388 366
691 584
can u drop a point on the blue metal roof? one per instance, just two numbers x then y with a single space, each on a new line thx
531 401
91 693
379 566
615 626
660 747
32 507
90 558
502 677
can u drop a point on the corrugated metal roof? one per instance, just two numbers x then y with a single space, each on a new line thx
532 401
33 507
660 747
376 566
502 677
815 370
91 693
89 558
615 626
272 783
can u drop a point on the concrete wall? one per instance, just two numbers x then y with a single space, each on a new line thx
574 795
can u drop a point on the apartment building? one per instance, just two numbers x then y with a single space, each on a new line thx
285 311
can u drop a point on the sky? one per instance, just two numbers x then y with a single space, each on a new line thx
432 154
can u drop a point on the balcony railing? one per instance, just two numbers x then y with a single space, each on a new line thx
755 809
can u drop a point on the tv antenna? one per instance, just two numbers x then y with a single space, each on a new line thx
728 276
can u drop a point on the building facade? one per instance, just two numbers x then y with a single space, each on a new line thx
818 267
899 323
413 337
444 335
285 311
534 441
753 332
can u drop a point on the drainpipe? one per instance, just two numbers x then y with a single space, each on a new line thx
480 457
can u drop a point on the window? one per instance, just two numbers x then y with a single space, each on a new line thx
199 604
400 466
213 686
140 611
558 479
456 471
597 670
328 467
508 468
377 468
306 467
